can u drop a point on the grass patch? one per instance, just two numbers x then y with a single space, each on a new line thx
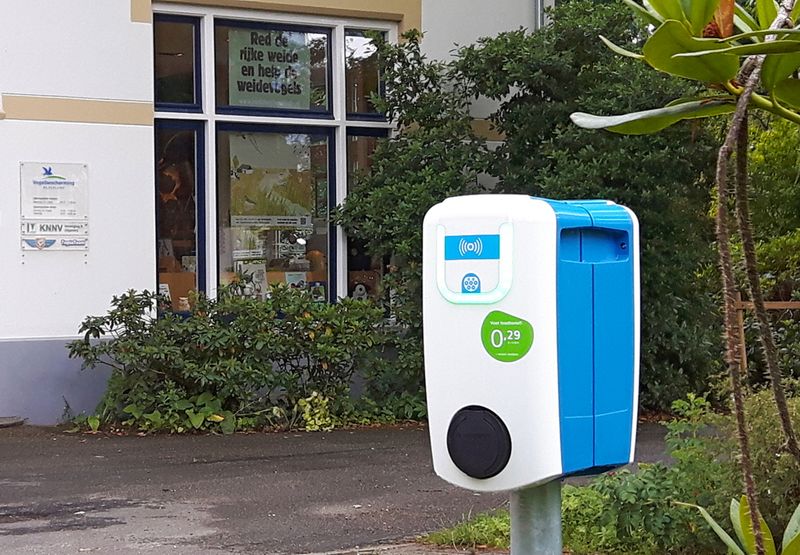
583 528
485 530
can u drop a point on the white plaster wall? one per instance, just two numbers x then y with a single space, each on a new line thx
449 22
75 48
48 293
80 49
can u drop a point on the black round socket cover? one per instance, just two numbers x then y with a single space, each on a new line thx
478 442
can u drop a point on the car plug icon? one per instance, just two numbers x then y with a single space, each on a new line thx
471 283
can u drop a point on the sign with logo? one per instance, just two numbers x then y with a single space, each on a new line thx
269 69
54 206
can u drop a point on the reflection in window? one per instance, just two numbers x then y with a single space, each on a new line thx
364 272
273 210
174 47
362 73
177 208
271 69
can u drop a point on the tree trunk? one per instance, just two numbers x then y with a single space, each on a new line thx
765 334
731 331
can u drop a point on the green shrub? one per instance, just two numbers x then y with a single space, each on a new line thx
583 531
233 361
640 512
641 508
538 79
776 472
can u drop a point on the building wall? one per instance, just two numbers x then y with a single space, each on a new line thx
76 87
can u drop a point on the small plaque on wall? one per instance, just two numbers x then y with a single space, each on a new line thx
54 206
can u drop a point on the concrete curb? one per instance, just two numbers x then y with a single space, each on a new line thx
409 548
9 421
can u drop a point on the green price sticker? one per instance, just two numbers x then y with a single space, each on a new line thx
505 337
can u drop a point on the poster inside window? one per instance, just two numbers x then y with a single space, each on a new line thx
273 69
273 210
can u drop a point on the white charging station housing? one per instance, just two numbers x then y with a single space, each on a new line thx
531 331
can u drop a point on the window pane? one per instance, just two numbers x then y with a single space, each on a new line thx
359 156
273 209
362 73
364 272
271 69
174 62
177 207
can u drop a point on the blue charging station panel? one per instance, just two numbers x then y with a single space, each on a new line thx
596 336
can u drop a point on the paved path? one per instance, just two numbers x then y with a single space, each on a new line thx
256 493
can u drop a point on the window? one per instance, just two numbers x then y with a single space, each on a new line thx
178 203
288 122
177 80
364 272
362 74
272 200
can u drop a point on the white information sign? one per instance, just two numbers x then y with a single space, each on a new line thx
54 191
54 206
270 221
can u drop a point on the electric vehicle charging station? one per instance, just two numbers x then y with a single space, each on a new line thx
531 331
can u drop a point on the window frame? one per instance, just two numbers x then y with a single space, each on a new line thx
340 122
197 106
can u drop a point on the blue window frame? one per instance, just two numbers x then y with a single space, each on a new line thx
177 76
320 100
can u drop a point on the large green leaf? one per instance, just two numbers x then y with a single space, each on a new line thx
776 68
747 530
792 532
699 13
650 17
792 548
668 9
737 524
673 38
723 535
651 121
195 419
788 92
619 50
767 11
782 46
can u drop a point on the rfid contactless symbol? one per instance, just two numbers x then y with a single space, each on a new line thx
471 283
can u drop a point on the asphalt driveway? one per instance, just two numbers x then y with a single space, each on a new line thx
246 493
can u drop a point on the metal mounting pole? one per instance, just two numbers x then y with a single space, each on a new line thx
536 520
